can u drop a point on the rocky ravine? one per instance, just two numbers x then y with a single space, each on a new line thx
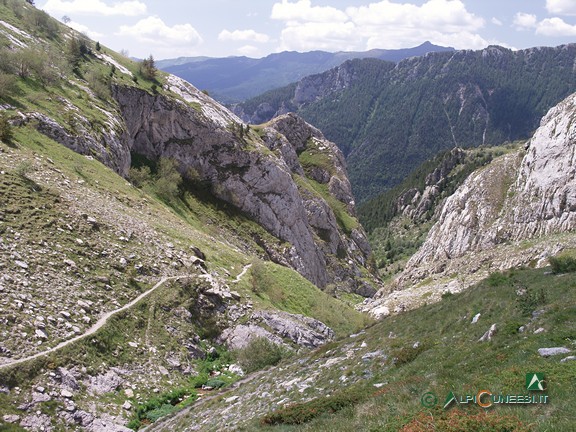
256 170
518 210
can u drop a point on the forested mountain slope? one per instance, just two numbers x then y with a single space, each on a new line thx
387 119
517 210
234 79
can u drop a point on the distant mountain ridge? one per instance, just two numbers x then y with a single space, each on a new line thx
233 79
388 118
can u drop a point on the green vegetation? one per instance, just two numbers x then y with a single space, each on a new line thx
391 118
259 354
6 133
281 288
395 237
563 264
449 357
151 410
301 413
345 221
313 157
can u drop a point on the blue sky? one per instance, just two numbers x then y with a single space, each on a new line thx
255 28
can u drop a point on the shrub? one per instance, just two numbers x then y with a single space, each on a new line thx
258 354
6 133
562 264
407 354
458 420
99 83
529 301
215 383
497 279
168 179
159 406
163 410
140 176
300 413
148 68
7 85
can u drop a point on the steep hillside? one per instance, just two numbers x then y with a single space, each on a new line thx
234 79
149 238
516 211
397 375
398 220
117 115
387 119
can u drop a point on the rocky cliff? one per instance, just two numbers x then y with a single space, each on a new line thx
518 210
256 170
117 112
137 290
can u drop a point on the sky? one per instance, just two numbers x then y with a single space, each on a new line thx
255 28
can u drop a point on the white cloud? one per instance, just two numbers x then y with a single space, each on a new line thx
524 21
84 30
323 36
303 11
561 7
555 27
446 16
552 27
496 21
95 7
249 51
383 24
162 39
243 35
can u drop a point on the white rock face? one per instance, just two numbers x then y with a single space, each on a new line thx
545 200
529 194
299 329
252 173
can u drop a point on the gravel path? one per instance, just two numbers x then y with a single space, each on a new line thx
97 326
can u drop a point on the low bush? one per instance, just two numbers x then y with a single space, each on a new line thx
258 354
301 413
531 299
406 355
497 279
166 403
6 133
563 264
458 420
140 176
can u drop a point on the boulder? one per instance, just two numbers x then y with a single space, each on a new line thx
105 383
547 352
486 337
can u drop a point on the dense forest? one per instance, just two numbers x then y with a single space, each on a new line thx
388 118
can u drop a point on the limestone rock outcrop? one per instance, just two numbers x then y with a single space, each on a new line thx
259 172
283 327
515 211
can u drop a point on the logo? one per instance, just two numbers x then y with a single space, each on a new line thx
428 400
485 398
535 382
449 399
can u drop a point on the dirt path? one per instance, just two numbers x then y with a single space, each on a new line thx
242 273
97 326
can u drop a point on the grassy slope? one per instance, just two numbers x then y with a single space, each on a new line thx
227 239
42 176
449 357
